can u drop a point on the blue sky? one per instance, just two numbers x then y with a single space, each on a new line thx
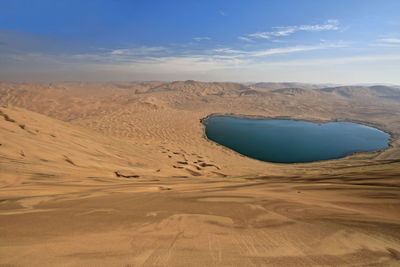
346 41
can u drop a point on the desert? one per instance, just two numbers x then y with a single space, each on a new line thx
199 133
125 177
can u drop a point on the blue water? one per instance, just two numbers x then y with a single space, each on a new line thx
289 141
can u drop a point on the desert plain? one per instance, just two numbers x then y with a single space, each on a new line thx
121 174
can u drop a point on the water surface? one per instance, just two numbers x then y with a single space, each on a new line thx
290 141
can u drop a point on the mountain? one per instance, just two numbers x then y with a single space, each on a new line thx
276 86
387 92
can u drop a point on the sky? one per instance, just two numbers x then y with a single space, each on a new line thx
340 41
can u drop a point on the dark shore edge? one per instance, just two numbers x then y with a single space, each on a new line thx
392 136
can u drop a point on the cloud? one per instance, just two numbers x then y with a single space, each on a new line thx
118 51
227 50
223 60
387 42
279 31
148 57
234 53
330 25
198 39
245 39
390 40
335 60
347 69
80 57
220 59
385 45
244 68
288 50
142 50
31 57
259 35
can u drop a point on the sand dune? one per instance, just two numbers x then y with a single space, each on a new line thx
120 174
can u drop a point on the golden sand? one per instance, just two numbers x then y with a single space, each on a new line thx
120 174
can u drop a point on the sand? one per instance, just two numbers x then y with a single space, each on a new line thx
121 174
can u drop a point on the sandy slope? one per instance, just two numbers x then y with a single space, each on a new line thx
121 175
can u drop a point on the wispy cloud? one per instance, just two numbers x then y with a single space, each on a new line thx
335 60
390 40
294 49
280 31
80 57
161 56
247 39
198 39
227 50
142 50
234 53
243 68
251 61
387 42
217 59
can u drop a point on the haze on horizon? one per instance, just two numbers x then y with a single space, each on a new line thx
303 41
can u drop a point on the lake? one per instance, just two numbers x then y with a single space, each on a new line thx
291 141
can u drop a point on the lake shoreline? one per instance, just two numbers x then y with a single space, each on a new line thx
377 126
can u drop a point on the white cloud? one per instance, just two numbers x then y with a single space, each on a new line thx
337 69
334 61
142 50
182 61
387 42
259 35
390 40
227 50
224 57
220 59
330 25
287 50
279 31
350 69
234 53
198 39
245 39
118 51
283 31
386 45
